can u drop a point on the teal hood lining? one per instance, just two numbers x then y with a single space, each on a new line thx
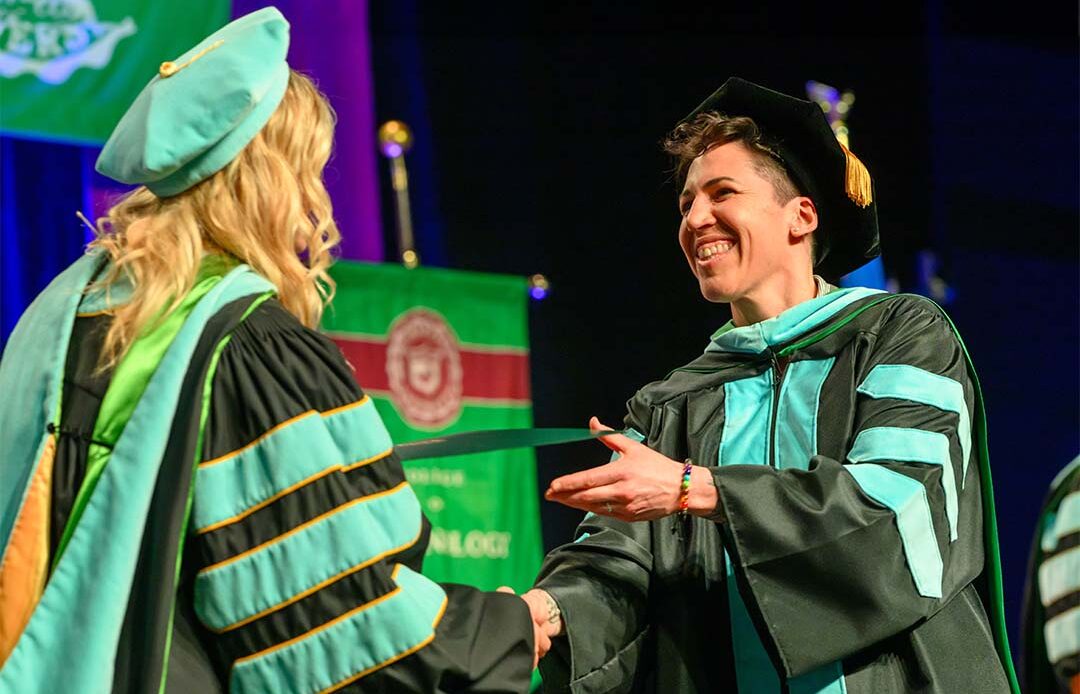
81 612
797 320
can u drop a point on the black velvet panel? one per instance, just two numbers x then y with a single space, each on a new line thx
277 369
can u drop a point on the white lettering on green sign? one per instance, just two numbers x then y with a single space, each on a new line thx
50 39
441 477
475 544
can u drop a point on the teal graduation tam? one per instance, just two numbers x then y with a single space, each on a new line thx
202 108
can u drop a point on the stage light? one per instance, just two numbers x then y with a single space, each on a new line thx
395 139
539 287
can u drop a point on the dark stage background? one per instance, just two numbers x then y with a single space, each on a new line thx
544 130
537 151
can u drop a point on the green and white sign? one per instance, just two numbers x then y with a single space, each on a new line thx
442 352
70 68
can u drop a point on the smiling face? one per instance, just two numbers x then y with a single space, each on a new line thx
737 236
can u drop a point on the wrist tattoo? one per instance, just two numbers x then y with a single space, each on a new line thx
554 613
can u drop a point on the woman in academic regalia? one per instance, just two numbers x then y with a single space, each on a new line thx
197 494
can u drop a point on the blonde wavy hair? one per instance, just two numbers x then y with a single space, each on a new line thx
268 208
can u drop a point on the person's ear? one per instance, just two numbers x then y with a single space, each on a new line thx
804 217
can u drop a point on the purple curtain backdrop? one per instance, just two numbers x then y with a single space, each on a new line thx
330 43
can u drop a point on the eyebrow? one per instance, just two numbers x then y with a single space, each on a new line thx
707 184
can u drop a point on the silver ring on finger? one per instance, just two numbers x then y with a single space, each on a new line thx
607 506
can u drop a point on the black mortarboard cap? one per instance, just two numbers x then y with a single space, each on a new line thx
822 168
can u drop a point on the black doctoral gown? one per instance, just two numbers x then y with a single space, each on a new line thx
301 540
1050 630
855 549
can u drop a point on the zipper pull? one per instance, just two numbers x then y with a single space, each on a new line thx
775 367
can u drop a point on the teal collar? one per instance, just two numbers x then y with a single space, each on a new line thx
797 320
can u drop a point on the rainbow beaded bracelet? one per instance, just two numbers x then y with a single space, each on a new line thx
684 490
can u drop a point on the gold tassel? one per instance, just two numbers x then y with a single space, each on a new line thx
857 183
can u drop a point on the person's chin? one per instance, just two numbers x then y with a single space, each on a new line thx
717 292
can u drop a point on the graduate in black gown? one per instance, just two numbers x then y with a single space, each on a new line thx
1051 619
197 495
806 506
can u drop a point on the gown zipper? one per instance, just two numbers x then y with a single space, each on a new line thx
778 379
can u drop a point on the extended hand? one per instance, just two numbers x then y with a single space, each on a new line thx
641 485
543 629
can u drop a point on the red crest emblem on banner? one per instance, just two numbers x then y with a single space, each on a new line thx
423 365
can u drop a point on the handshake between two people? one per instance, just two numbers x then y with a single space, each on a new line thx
546 619
639 485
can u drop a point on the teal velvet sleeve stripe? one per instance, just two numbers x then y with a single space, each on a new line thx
797 413
308 445
1063 635
1048 539
915 446
344 649
1061 522
1067 518
907 382
1059 576
345 539
906 498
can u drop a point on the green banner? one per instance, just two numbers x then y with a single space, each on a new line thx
442 352
70 68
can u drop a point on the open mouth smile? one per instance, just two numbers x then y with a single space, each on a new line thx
708 251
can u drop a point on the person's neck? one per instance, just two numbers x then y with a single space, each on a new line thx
773 298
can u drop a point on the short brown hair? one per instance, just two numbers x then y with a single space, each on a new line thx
690 139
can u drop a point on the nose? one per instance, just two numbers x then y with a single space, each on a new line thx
700 215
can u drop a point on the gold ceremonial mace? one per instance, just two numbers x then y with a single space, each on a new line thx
395 139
